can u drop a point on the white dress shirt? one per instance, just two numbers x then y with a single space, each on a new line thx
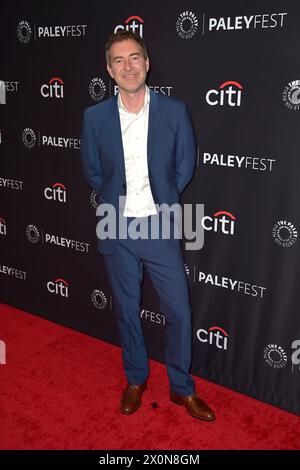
139 200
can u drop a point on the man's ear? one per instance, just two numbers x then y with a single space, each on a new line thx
108 67
147 64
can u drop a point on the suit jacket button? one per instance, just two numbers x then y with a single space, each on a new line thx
124 185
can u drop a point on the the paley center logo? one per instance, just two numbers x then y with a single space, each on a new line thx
94 199
133 23
97 89
278 357
24 31
285 233
99 299
29 137
32 233
186 25
214 336
275 356
291 95
53 89
228 94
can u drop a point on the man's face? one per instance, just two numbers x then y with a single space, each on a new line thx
128 67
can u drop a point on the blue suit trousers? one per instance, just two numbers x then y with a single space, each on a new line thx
163 260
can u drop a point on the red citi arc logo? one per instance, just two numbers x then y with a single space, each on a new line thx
215 336
2 226
58 287
133 23
53 89
221 221
229 93
58 192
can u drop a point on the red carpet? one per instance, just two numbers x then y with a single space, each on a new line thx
60 389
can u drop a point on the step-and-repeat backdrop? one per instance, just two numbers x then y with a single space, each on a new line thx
238 70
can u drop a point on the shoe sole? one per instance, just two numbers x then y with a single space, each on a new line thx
179 402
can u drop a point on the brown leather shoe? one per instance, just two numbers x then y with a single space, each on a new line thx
132 398
194 405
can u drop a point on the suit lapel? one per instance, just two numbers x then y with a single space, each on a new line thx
153 124
116 133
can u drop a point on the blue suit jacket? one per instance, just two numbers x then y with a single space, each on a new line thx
171 152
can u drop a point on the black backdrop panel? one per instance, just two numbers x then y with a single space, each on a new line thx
238 69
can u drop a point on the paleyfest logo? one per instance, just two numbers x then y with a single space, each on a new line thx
25 30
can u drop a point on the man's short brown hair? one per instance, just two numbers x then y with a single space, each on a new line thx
123 35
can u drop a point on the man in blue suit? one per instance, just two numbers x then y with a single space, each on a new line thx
141 145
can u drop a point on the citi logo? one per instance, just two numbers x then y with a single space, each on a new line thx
229 93
221 221
2 226
215 336
133 23
58 192
58 287
53 89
